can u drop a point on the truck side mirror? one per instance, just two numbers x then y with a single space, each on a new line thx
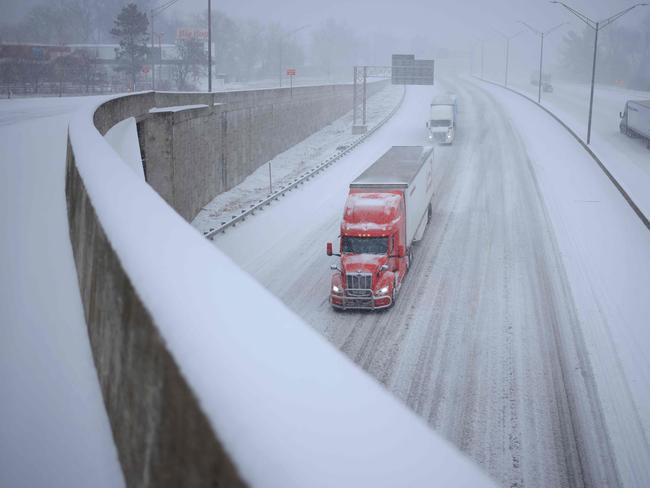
427 125
400 251
329 249
620 115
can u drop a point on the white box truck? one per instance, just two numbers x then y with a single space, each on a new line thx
442 119
635 120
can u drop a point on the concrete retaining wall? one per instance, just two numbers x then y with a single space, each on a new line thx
162 436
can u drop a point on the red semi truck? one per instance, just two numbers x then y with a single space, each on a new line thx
387 210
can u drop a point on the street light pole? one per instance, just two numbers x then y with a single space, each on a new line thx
508 39
482 58
541 34
593 83
541 63
596 26
505 82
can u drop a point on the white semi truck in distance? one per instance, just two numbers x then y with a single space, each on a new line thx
635 120
442 119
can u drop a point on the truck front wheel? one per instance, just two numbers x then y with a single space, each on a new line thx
393 295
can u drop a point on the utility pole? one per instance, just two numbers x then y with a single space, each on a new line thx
541 34
153 68
596 26
209 45
160 36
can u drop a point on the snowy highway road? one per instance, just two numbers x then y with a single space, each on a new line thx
482 341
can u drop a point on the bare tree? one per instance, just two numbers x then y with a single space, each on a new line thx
190 65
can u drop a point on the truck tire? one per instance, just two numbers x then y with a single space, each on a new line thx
393 295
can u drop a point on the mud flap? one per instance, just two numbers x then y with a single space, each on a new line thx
420 230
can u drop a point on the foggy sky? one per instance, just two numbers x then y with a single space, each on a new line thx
435 19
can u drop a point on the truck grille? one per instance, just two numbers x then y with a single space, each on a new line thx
359 285
440 136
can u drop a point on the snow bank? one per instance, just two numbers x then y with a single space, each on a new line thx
290 409
123 137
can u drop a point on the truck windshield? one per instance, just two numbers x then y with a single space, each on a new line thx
365 245
440 123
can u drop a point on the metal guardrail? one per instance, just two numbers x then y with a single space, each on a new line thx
234 219
639 213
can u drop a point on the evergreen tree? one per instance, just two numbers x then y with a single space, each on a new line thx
130 28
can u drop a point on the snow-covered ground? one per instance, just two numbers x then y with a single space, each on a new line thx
606 252
295 161
481 341
628 159
53 425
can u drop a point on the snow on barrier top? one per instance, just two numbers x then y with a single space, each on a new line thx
290 409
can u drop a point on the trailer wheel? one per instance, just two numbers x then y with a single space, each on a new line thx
429 213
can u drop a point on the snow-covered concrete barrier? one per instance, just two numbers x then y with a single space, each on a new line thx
207 378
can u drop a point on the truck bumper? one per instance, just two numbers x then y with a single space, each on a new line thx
342 302
440 138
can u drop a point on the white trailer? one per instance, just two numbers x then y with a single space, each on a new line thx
409 170
635 120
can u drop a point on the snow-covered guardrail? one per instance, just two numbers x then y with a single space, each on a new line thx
207 378
234 219
639 213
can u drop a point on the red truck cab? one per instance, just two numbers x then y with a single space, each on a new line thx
375 240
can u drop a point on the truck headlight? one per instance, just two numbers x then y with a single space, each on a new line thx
336 289
382 291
